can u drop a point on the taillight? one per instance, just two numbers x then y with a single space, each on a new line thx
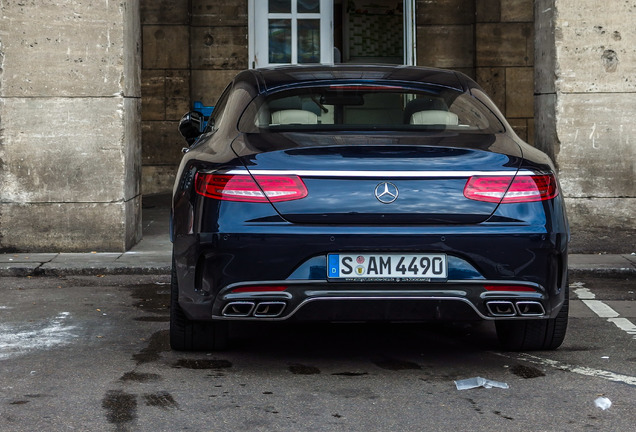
511 189
243 187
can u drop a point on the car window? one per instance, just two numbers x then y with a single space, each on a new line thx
364 107
219 109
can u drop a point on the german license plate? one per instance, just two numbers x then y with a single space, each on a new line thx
395 267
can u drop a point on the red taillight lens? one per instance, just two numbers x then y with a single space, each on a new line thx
244 187
259 288
514 288
511 189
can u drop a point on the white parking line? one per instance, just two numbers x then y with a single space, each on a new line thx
581 370
602 310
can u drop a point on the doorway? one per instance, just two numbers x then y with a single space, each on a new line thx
331 31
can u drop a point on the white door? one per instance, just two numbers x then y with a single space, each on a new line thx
290 32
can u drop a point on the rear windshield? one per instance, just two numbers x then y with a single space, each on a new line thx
368 107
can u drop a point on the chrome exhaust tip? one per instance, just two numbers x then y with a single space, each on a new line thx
238 309
501 308
269 309
530 308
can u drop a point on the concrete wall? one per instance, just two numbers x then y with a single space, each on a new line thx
191 50
69 125
590 106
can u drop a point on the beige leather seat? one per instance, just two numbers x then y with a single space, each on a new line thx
293 116
434 117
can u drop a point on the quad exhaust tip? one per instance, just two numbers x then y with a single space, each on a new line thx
269 309
530 308
241 309
505 308
501 308
238 309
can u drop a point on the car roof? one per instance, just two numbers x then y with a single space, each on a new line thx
277 78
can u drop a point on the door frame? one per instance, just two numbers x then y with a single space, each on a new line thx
326 7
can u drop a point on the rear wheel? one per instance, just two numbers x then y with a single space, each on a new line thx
540 334
188 335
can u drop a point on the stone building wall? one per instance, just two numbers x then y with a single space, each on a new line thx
191 50
69 131
586 94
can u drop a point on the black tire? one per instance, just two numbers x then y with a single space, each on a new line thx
539 334
188 335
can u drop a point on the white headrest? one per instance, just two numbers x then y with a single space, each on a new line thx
434 117
294 116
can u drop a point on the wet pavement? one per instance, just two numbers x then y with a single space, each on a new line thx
91 353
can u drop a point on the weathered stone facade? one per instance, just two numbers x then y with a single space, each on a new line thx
586 94
91 94
190 54
69 131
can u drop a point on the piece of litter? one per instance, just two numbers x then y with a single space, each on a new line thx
602 403
471 383
605 357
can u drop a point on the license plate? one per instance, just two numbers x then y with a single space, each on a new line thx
389 267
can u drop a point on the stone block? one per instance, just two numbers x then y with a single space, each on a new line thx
207 85
488 10
446 46
47 57
588 213
546 138
597 156
517 10
493 81
596 46
158 179
166 47
162 143
505 44
445 12
177 94
131 57
130 148
227 13
173 12
519 92
545 50
63 150
71 227
219 47
153 94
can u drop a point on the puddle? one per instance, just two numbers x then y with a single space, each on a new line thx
158 343
139 377
350 374
526 371
152 298
120 407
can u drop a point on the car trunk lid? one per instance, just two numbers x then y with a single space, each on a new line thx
381 179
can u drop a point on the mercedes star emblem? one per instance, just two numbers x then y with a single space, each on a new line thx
386 192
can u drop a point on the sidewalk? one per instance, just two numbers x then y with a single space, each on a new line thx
154 253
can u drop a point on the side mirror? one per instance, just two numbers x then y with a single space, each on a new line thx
191 126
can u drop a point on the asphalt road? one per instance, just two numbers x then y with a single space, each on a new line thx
92 354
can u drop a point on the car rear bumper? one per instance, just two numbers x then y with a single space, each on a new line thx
210 267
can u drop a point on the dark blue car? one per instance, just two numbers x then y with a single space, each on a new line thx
364 193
